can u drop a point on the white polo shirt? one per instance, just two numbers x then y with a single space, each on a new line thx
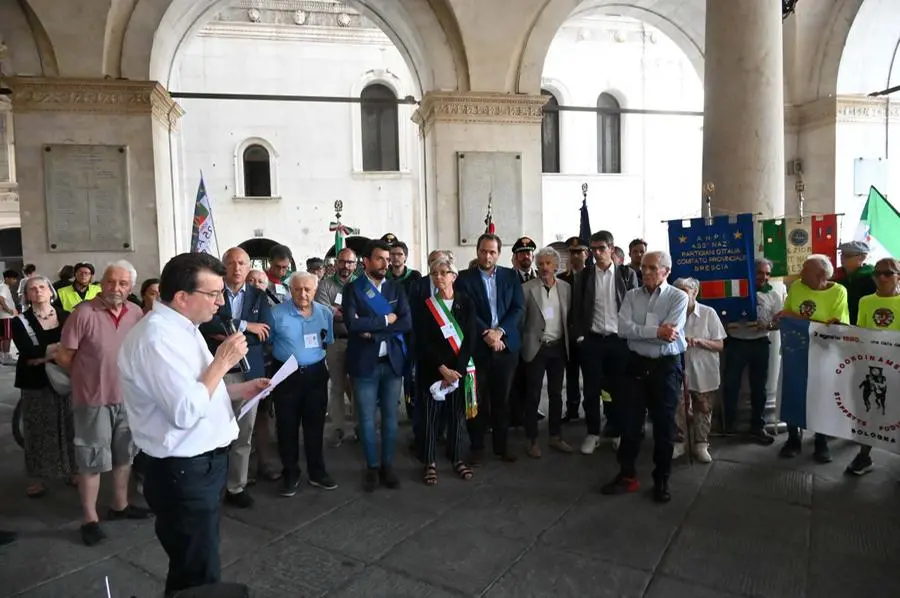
702 365
170 412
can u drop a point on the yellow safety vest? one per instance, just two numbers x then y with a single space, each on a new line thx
70 298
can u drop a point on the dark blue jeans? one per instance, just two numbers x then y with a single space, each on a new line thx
604 359
741 354
380 391
652 385
185 494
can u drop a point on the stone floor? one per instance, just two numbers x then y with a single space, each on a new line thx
747 525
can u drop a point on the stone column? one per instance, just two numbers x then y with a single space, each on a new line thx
743 125
454 123
135 115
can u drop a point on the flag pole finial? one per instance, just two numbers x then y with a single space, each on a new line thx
709 189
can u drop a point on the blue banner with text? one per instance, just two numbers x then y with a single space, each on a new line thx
718 252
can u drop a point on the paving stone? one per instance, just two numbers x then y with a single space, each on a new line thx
753 547
553 572
607 527
237 541
125 579
667 587
861 535
840 576
877 493
41 556
784 485
375 581
291 567
367 527
453 556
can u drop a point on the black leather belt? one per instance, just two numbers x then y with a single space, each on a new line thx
207 455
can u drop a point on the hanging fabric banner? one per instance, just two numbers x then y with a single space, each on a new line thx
718 252
787 242
841 381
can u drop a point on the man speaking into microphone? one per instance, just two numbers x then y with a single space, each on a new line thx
181 415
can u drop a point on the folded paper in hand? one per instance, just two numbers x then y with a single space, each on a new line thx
289 367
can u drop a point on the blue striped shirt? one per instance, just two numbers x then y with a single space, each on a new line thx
643 312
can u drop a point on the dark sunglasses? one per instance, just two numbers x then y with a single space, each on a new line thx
885 273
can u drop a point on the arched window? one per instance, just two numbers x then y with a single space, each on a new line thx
257 172
550 134
609 135
380 145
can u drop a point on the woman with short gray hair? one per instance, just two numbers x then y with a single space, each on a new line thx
46 414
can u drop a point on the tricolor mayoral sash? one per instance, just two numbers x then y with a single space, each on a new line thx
842 381
454 335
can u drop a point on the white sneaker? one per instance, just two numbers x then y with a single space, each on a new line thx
701 451
590 444
677 450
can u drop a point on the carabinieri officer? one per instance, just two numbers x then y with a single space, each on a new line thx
302 328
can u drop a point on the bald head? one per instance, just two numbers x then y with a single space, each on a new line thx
346 263
237 266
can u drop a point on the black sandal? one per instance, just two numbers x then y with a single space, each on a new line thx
463 471
431 475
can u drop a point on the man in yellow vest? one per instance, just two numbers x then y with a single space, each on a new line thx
82 289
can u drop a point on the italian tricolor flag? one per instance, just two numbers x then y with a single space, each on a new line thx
724 289
787 242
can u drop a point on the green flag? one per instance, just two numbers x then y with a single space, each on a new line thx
879 226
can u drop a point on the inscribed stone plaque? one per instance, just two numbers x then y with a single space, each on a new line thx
86 192
489 175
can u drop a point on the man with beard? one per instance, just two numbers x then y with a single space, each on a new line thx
330 294
377 315
89 348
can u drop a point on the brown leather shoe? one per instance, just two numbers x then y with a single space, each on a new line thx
560 445
533 450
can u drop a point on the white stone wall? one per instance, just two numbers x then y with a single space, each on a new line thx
316 145
661 154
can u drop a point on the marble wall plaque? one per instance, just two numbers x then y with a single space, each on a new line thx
494 175
86 192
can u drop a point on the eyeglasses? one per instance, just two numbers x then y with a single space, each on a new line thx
885 273
212 294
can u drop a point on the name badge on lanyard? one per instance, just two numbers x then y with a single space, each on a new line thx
311 341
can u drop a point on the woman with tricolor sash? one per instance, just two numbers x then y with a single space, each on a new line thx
879 311
447 336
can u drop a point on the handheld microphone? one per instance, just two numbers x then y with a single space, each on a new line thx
228 324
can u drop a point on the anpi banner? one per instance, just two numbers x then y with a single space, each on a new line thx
842 381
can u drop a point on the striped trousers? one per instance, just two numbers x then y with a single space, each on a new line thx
453 408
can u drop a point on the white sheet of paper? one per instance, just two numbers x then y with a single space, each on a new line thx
339 299
548 313
310 341
652 320
289 367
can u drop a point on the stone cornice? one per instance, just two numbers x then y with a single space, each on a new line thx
488 108
292 33
94 96
840 109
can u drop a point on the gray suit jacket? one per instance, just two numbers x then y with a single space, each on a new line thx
533 321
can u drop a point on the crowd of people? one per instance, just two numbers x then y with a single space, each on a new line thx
159 378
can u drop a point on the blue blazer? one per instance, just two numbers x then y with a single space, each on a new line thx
510 305
360 318
254 309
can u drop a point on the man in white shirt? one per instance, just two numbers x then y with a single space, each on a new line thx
181 415
705 335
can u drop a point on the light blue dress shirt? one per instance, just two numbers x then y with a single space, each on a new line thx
666 305
236 301
490 288
294 334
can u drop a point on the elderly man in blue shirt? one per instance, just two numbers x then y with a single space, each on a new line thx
302 328
652 320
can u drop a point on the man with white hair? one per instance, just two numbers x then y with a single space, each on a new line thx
814 297
652 321
303 329
88 349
